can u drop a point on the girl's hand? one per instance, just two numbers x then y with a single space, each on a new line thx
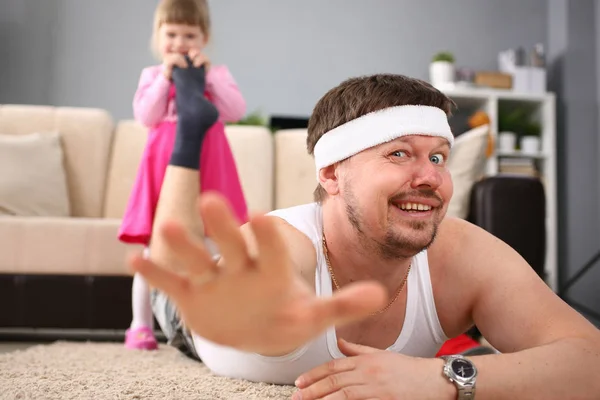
198 58
172 60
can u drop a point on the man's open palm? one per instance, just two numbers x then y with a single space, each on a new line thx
257 303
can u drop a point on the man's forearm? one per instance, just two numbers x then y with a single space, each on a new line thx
565 369
177 202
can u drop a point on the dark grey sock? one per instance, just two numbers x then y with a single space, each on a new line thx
195 115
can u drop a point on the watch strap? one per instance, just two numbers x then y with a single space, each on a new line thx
466 391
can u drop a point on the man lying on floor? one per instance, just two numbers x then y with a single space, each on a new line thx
314 294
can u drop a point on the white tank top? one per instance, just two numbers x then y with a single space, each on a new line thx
421 335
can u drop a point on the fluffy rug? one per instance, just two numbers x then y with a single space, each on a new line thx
65 370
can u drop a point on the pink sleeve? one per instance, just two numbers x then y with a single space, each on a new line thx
225 94
151 97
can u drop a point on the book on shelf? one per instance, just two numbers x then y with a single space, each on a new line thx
518 166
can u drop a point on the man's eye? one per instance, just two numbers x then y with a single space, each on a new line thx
437 158
399 153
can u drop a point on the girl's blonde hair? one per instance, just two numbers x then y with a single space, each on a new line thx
189 12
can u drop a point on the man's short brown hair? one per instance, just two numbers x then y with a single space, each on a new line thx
356 97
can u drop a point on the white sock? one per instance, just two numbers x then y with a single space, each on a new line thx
140 303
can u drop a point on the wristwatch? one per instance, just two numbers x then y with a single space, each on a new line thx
462 372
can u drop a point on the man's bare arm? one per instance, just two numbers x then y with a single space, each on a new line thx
551 352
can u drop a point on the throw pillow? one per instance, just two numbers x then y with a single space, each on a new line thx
32 176
467 165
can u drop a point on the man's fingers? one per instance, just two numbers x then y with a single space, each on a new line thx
350 392
167 281
317 374
354 302
273 254
326 386
223 228
192 257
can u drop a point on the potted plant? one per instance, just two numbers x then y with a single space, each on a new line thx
518 123
530 139
509 126
255 118
441 70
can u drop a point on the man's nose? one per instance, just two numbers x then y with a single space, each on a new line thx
426 174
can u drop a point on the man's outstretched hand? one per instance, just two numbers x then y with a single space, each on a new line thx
252 302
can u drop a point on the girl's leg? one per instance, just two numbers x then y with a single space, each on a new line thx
140 334
140 302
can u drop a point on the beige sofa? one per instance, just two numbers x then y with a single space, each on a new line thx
101 160
77 258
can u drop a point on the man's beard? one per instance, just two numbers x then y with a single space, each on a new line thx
394 244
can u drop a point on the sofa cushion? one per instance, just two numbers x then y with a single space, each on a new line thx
467 165
252 148
79 246
295 171
32 182
128 147
86 138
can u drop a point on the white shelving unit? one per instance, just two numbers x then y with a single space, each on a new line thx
470 100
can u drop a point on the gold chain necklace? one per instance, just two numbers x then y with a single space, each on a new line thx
337 286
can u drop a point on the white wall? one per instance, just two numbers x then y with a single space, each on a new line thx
574 77
287 56
284 54
26 50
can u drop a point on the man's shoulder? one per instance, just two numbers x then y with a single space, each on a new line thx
305 218
456 240
307 210
301 228
452 229
462 249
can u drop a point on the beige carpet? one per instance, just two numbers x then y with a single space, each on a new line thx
65 370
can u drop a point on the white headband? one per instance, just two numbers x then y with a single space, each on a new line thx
380 127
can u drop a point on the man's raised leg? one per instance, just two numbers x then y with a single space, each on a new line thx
180 188
179 194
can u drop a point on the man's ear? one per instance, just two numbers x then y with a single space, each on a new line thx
329 180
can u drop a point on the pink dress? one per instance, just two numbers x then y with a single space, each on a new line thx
154 106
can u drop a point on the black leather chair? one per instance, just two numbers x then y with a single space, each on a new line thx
513 208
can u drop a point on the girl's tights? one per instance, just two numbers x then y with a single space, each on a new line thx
140 303
140 335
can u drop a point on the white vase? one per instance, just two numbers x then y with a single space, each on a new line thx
442 74
507 141
530 145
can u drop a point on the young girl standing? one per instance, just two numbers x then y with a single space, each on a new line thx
180 33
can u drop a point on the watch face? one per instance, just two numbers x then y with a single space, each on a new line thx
463 368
